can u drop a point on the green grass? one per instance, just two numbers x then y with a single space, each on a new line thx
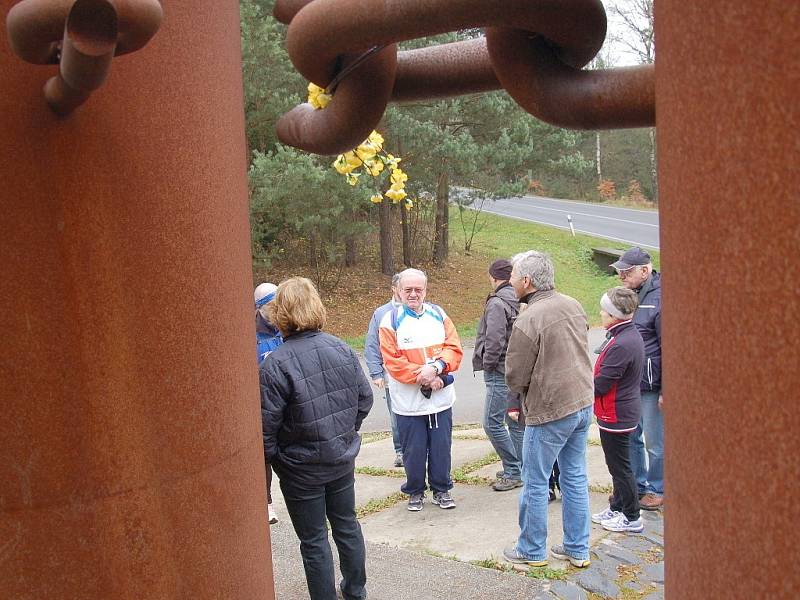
546 573
379 504
375 436
576 274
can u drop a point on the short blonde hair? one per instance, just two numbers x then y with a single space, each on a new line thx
297 307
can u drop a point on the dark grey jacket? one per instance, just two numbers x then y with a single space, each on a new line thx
648 321
314 396
494 329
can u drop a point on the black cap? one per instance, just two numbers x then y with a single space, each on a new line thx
501 269
632 258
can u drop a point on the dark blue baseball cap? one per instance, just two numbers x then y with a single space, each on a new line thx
632 258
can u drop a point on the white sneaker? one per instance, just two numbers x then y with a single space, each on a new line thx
604 516
273 516
620 523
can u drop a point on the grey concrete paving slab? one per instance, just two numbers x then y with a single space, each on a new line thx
483 523
396 574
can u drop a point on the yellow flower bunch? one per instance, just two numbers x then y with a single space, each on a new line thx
369 155
317 97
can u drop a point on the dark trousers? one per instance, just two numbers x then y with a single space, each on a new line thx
426 443
554 483
308 507
616 448
269 484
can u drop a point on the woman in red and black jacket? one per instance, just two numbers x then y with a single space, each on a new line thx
617 405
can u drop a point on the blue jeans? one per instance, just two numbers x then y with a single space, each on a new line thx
565 440
649 469
398 449
495 416
516 430
426 447
308 507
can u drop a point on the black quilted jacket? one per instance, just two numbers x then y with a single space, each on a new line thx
314 396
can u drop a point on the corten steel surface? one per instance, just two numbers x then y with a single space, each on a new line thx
83 36
132 465
535 51
728 118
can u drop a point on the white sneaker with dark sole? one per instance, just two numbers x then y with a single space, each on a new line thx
604 516
621 524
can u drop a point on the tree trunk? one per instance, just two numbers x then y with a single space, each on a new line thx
387 252
653 167
406 237
441 237
597 157
350 251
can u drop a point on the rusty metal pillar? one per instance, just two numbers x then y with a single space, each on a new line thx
728 118
130 438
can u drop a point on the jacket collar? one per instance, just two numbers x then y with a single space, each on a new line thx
537 296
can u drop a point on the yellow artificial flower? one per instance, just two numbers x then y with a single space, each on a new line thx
395 194
375 139
409 204
366 150
376 198
391 161
317 97
374 167
398 176
352 178
342 166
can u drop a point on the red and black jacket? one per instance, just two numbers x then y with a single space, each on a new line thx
617 375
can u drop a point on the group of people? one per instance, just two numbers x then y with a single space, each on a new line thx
540 389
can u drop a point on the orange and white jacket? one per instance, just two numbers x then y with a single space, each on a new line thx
408 341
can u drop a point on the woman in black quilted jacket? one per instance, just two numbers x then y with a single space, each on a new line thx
314 397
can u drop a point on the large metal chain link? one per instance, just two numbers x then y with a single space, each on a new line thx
82 36
535 50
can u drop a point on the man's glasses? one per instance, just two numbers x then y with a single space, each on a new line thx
623 273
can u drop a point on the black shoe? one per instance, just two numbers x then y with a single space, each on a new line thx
552 496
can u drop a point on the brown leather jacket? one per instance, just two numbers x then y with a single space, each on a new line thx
547 361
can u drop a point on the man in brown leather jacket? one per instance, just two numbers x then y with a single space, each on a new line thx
547 362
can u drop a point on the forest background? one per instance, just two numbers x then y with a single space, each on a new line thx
458 154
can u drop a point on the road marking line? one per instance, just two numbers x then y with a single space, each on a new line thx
641 210
592 233
582 214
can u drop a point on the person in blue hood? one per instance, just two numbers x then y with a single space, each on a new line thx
268 338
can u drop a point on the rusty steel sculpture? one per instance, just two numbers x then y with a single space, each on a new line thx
534 50
81 36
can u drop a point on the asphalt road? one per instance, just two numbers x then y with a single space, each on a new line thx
470 391
626 225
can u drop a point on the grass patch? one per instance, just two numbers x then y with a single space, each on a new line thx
601 489
379 504
464 426
380 472
576 274
440 555
492 563
375 436
463 474
470 437
546 573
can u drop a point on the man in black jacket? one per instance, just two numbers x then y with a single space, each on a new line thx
636 273
494 329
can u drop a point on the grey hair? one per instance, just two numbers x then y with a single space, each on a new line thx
395 280
408 272
537 267
626 301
